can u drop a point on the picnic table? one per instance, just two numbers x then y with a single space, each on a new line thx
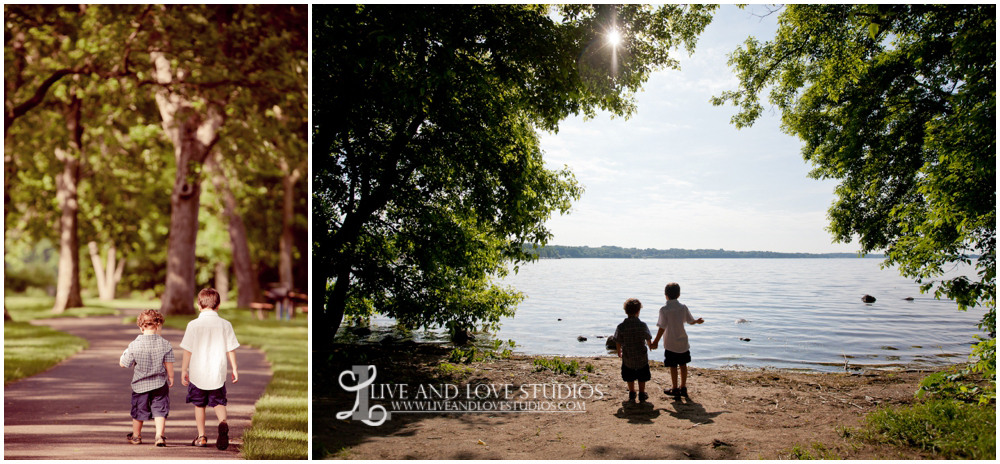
283 302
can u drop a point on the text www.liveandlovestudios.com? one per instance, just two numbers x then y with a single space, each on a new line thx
553 398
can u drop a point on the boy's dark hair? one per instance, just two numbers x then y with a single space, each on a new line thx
632 306
209 298
673 290
149 317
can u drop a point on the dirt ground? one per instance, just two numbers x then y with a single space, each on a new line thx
731 414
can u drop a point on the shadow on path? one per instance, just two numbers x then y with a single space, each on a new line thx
79 409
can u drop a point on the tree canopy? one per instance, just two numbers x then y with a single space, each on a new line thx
898 102
110 108
428 171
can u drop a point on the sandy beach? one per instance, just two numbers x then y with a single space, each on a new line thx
509 409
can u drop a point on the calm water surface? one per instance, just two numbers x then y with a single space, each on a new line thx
803 313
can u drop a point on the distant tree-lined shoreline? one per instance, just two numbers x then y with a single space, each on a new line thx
558 251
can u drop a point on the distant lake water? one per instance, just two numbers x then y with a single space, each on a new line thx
804 313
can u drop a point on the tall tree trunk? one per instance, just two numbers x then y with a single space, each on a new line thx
193 133
288 181
107 276
247 287
68 280
222 280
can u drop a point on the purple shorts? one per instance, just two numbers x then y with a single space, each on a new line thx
154 403
202 398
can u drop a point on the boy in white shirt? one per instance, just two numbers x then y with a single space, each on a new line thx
676 350
208 341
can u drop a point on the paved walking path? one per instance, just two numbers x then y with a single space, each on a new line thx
80 408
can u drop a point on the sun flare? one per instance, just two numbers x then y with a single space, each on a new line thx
614 38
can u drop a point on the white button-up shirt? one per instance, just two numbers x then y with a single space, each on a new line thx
673 315
209 339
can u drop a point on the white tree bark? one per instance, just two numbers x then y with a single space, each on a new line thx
107 276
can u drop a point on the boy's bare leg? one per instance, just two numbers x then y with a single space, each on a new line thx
161 423
199 420
642 387
684 375
673 376
631 385
136 428
220 413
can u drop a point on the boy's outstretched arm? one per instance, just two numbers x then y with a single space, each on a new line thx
185 363
656 341
232 362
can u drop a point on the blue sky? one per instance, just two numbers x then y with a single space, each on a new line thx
677 174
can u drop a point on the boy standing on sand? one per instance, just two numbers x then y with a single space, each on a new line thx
153 358
632 338
207 342
676 350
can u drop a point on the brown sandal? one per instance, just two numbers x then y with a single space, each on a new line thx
161 441
135 440
200 442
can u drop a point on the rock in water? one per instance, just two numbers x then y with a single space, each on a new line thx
868 299
909 298
741 321
581 338
610 344
744 339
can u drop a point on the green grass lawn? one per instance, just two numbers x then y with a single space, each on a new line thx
280 424
26 308
29 349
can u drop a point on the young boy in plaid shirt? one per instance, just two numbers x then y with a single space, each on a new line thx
153 359
632 338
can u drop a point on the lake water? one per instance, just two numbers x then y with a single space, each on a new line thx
804 313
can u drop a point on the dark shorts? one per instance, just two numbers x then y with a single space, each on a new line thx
671 359
202 398
154 403
631 375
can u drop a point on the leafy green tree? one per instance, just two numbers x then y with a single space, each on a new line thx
213 58
898 102
428 173
144 75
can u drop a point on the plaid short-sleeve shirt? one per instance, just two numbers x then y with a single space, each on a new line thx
148 353
632 334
